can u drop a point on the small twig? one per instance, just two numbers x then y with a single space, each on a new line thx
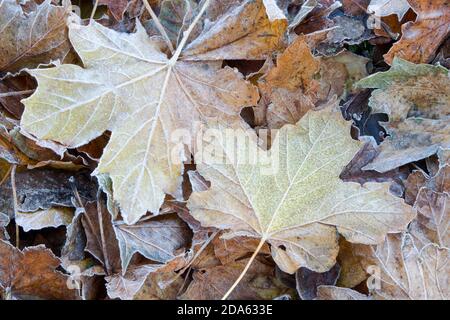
15 93
159 26
249 263
94 9
15 204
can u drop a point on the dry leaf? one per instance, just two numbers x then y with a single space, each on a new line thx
422 38
32 38
417 101
295 200
31 274
136 81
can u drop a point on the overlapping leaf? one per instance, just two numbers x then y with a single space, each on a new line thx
294 199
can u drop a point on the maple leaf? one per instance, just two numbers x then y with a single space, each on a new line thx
129 86
422 38
31 274
30 38
300 203
416 99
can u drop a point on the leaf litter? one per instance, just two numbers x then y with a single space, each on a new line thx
116 166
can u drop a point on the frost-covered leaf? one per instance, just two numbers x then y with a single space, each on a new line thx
292 196
129 86
383 8
422 38
52 217
31 274
417 100
160 239
31 38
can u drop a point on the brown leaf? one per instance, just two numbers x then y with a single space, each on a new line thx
159 238
31 274
308 281
337 293
32 38
423 37
100 235
211 284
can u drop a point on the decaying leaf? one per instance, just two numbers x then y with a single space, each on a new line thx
295 200
422 38
417 101
431 197
52 217
30 38
338 293
402 268
211 284
41 189
31 274
160 239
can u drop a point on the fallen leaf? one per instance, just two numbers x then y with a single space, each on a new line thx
404 269
422 38
211 284
383 8
308 281
32 38
431 197
31 274
52 217
101 239
295 200
41 189
416 99
109 86
159 239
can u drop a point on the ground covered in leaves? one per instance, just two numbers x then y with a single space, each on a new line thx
117 180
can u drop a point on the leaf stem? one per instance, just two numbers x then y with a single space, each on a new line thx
249 263
159 26
94 9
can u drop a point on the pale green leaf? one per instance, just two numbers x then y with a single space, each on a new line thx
292 195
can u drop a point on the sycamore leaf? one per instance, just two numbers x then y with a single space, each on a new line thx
31 274
292 197
422 38
383 8
31 38
129 86
417 100
249 30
